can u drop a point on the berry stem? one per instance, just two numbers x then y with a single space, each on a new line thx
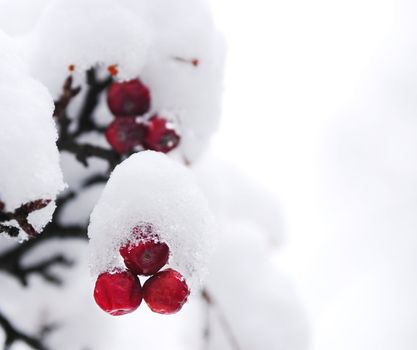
212 304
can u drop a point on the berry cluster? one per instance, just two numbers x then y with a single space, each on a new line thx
129 101
120 292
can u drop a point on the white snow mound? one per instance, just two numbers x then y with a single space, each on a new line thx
150 188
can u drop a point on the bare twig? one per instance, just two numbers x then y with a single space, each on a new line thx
68 93
193 61
95 88
13 335
21 216
208 298
85 151
11 260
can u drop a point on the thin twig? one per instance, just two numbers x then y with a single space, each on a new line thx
11 260
208 298
13 335
95 88
85 151
20 215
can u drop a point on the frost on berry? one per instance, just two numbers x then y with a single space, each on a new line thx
125 134
166 292
118 292
144 254
149 188
128 98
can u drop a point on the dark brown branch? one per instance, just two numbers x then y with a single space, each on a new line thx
61 202
11 260
21 216
9 230
209 300
85 151
95 179
13 335
95 88
42 269
68 93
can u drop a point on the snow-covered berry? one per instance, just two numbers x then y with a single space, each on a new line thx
166 292
128 98
118 292
124 134
145 257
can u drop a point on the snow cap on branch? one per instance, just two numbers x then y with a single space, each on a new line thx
29 157
84 33
151 189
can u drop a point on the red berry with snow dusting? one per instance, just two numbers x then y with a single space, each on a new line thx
145 257
118 292
166 292
128 98
124 134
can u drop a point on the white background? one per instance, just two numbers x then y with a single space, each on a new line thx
320 106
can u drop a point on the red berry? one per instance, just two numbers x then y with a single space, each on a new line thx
124 134
166 292
128 98
118 292
145 257
161 135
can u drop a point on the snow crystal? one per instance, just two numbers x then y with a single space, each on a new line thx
28 155
150 188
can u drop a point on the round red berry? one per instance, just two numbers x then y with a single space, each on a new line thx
145 257
128 98
161 135
124 134
166 292
118 292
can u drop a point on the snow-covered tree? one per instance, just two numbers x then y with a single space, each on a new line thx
109 200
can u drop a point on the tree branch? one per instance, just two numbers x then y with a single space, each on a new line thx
11 260
95 88
13 335
211 303
85 151
21 216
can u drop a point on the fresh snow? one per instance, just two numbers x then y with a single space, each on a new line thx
28 154
150 188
